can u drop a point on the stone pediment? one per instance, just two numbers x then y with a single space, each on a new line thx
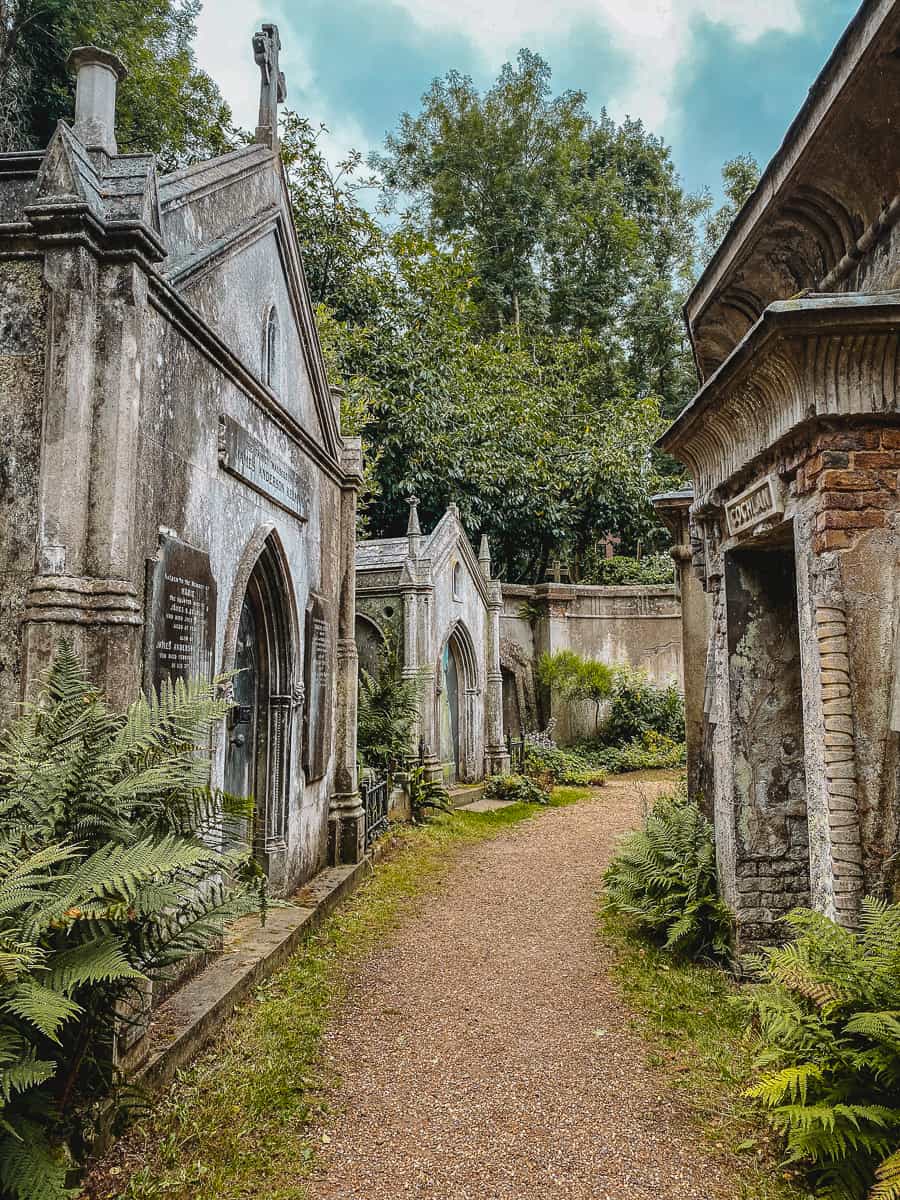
811 358
215 211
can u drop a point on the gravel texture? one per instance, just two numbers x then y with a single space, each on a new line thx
485 1054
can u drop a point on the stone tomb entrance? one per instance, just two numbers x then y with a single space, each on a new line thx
457 693
771 836
260 726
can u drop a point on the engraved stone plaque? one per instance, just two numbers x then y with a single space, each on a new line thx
181 613
761 502
245 457
318 680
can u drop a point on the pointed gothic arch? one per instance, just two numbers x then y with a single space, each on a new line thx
458 687
261 647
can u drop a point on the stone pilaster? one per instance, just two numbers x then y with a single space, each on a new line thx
496 755
346 818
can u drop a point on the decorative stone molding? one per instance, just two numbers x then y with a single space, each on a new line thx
840 757
819 357
71 600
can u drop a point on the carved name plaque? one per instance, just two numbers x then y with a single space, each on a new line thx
181 613
761 502
317 678
245 457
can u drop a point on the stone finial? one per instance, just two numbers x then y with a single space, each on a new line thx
413 528
272 89
484 556
98 74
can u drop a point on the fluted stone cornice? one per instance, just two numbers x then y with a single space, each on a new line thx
814 357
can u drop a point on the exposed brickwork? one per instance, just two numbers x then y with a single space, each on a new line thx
840 760
855 474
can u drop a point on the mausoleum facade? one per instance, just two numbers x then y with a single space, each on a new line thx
436 598
177 499
793 443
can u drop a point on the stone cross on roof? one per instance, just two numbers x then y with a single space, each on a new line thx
273 89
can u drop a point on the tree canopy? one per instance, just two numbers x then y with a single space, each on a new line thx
166 104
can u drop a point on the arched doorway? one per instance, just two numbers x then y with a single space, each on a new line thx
260 725
369 642
457 686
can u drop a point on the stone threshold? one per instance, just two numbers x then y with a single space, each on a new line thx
188 1020
464 794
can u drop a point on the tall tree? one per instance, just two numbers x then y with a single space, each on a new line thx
166 105
740 175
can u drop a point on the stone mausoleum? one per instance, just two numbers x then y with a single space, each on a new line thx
793 442
436 598
176 496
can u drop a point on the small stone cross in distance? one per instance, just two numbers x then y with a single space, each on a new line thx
609 542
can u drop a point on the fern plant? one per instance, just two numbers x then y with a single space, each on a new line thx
663 879
827 1019
388 708
426 796
113 867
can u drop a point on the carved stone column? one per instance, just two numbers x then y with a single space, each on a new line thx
346 818
495 752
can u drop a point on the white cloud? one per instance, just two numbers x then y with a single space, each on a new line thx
653 35
224 50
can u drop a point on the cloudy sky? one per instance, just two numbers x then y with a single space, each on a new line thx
714 77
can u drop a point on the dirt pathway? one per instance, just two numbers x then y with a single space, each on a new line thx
484 1052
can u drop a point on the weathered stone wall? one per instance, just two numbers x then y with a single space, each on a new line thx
23 339
771 840
640 626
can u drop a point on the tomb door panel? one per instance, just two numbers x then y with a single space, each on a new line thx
243 721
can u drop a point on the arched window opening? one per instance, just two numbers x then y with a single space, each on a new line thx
272 350
457 581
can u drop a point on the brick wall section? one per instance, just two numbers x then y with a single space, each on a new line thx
855 475
840 761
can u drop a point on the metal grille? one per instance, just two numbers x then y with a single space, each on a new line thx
375 801
516 748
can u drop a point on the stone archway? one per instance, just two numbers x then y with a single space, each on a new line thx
261 650
458 691
369 641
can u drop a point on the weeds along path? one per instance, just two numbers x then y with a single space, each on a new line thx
484 1052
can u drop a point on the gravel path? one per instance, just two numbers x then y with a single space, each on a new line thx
484 1052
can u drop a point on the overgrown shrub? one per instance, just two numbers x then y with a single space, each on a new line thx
638 706
109 876
652 569
518 788
663 880
556 765
653 751
827 1015
388 708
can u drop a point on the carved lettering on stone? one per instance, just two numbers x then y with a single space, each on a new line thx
318 686
181 613
762 502
245 457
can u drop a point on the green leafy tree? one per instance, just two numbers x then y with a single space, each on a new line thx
109 875
740 176
576 678
166 105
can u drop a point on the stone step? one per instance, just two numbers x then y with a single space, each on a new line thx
189 1019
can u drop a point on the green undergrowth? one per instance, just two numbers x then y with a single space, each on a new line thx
237 1122
696 1036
